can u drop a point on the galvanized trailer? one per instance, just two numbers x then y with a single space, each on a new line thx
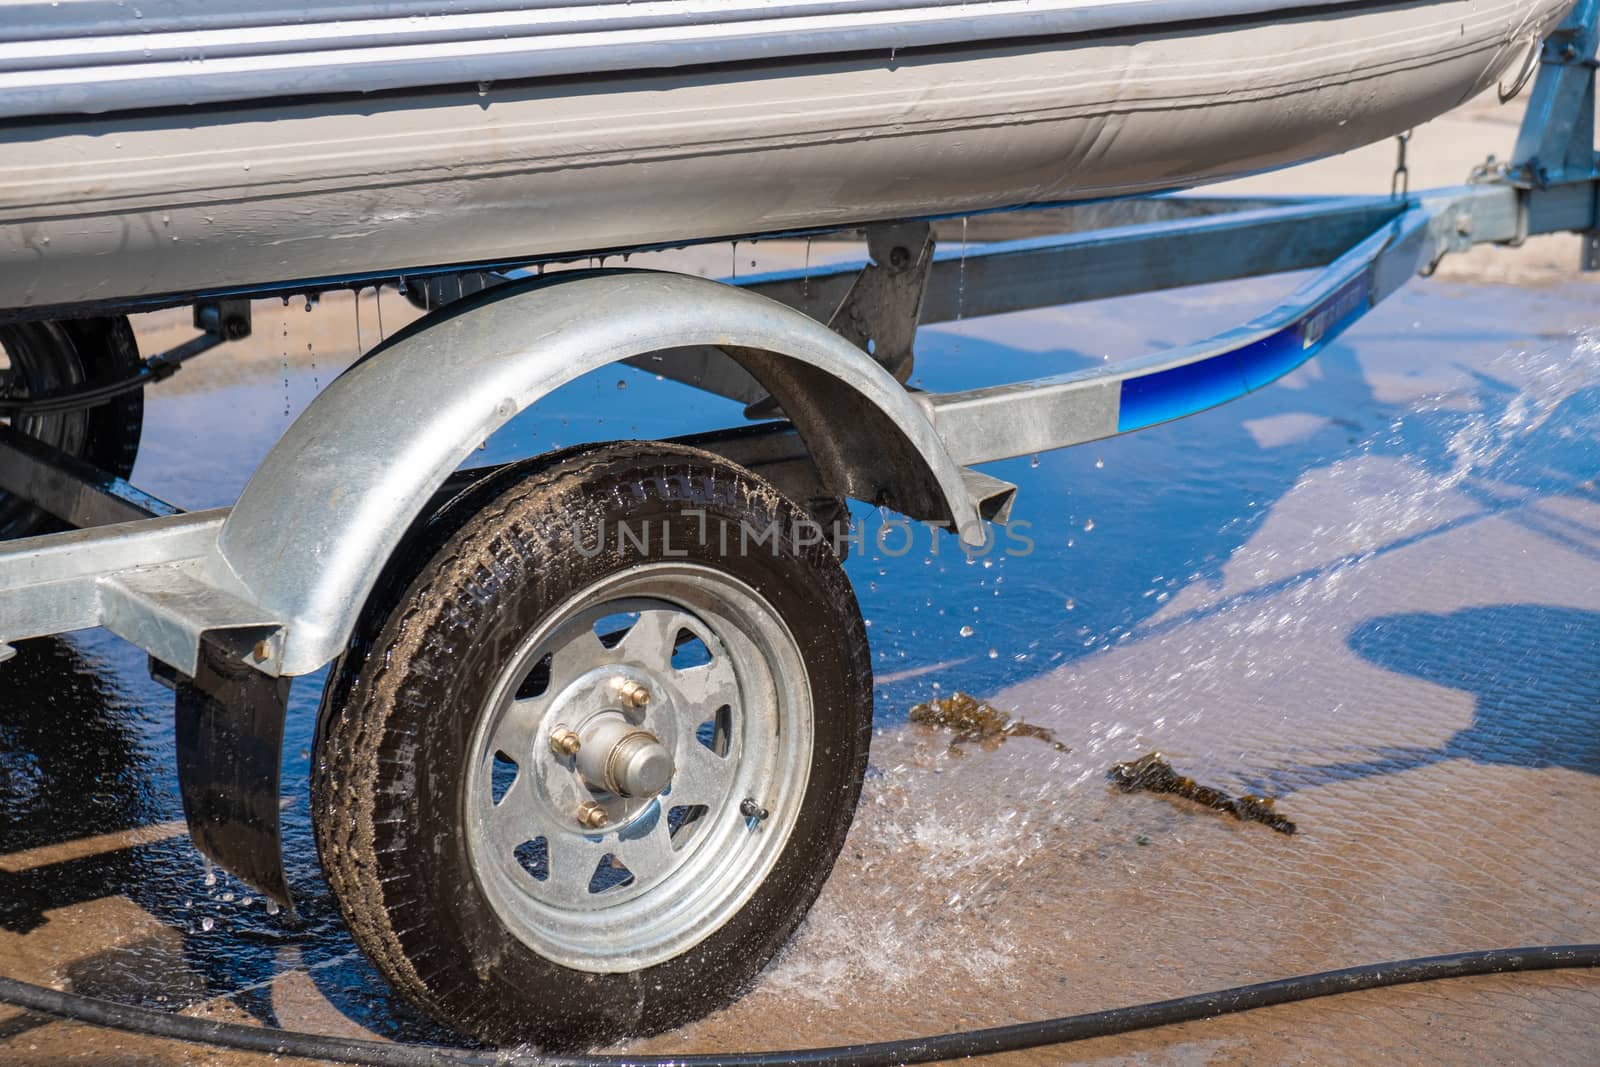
510 707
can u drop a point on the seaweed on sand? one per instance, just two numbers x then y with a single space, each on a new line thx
974 720
1151 773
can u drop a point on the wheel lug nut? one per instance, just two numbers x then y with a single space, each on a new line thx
632 694
564 741
591 816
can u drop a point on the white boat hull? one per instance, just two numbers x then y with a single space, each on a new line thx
130 206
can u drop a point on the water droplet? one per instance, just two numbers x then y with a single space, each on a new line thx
211 878
207 923
1033 461
1088 525
967 631
1099 464
621 384
1071 604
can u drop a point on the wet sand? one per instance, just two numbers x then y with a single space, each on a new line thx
1372 592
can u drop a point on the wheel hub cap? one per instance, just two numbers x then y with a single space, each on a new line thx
623 758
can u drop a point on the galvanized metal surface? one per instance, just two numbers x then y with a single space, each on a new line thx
1027 417
738 727
880 313
133 207
353 472
1557 138
52 581
68 488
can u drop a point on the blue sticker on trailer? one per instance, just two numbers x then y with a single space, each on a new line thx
1170 394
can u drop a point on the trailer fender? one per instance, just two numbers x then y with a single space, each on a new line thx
331 502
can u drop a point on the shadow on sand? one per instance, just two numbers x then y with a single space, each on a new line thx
1533 672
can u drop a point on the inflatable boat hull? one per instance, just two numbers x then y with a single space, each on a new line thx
167 198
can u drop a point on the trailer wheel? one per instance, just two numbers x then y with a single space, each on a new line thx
45 358
586 771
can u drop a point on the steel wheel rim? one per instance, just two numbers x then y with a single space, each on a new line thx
691 857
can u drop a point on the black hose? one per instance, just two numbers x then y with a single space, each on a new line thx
126 1017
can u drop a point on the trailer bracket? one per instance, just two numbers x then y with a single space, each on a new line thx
881 312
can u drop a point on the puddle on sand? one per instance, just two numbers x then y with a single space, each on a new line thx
1152 774
976 721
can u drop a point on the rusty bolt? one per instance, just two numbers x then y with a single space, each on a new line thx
591 816
564 741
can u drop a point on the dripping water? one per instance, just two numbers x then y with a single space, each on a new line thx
287 407
961 274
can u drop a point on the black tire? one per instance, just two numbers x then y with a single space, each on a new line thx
399 714
54 357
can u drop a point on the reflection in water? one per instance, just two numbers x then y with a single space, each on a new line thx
70 764
86 768
1123 525
70 767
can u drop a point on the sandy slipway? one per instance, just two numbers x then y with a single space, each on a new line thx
1372 592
